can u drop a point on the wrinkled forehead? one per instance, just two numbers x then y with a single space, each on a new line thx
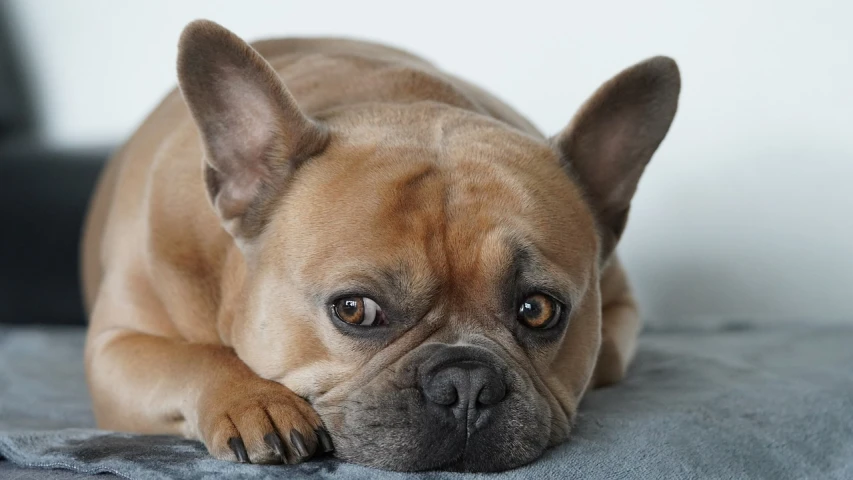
456 211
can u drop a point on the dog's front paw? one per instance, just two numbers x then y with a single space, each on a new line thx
260 421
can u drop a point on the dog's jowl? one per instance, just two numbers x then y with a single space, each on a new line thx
318 245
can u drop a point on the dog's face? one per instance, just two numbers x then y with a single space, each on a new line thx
418 286
425 276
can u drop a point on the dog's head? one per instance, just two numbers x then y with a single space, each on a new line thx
427 277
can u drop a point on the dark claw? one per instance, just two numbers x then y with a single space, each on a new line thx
274 441
298 442
325 440
236 444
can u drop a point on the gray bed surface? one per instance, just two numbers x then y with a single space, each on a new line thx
737 402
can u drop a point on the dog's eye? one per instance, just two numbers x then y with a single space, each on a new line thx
359 311
539 311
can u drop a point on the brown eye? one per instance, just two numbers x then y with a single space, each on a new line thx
358 311
539 311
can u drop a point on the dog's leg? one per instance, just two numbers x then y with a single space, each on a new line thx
620 325
145 378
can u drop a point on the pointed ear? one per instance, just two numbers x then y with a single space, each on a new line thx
253 132
613 136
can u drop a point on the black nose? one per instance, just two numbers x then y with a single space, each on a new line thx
466 384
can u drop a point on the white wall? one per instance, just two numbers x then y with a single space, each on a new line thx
746 209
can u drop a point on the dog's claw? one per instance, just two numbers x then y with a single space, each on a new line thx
239 448
325 440
274 441
298 442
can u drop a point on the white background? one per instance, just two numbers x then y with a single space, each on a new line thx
746 208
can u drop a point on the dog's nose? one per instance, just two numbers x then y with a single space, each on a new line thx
467 385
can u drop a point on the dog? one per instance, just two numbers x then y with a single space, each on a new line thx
320 245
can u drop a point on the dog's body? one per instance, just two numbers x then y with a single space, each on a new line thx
210 293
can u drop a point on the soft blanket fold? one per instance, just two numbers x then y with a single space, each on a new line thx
771 402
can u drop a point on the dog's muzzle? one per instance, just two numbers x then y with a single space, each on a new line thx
458 382
442 406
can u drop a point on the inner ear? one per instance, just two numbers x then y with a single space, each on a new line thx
254 133
613 136
244 124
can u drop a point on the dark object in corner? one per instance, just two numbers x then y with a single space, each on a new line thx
43 197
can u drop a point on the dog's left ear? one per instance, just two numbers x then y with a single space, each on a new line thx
611 139
254 134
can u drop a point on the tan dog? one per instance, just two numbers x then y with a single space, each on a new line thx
378 256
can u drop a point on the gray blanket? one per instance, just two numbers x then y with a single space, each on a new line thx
773 403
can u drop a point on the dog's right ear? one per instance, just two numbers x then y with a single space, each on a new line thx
253 132
611 139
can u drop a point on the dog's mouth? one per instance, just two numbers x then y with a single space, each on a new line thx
455 408
467 462
399 431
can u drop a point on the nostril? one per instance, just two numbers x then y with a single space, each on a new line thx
488 386
441 389
492 394
465 383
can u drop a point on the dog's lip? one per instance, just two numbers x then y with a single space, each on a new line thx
456 464
461 453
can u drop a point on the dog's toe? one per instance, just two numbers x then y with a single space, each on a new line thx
265 424
239 449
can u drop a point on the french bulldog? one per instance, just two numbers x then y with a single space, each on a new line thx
319 244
